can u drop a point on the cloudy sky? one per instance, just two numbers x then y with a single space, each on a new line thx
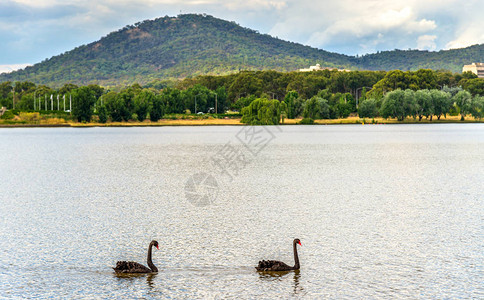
33 30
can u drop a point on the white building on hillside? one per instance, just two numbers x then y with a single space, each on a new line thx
318 67
476 68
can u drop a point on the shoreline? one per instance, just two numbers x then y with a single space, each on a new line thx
236 122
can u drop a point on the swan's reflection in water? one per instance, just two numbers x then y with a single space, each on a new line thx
133 276
272 275
292 277
151 289
297 288
149 280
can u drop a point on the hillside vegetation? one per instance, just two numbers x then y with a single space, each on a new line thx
410 60
191 45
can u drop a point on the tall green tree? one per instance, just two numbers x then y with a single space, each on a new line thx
463 100
441 102
114 106
410 104
97 90
424 79
477 107
221 99
289 99
262 111
103 113
126 97
157 108
368 108
196 98
345 105
316 108
393 105
243 102
283 111
142 102
67 88
245 84
173 101
83 100
424 104
5 88
298 107
475 86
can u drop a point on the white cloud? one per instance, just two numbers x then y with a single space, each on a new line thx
469 29
469 36
49 27
11 68
254 4
391 20
357 25
426 42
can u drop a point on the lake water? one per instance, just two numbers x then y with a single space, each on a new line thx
382 211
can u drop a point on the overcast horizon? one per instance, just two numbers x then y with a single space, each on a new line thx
35 30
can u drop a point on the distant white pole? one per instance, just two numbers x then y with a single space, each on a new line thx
57 101
51 102
64 98
45 107
40 103
34 100
70 104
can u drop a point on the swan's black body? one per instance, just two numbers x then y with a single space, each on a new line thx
275 265
134 267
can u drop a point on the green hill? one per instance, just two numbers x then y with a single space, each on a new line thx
190 45
412 60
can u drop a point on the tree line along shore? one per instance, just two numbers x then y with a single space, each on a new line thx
253 97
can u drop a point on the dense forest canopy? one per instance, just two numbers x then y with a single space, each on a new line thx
192 45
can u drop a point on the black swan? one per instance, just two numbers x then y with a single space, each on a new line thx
275 265
134 267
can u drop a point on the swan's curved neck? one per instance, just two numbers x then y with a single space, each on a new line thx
150 263
296 258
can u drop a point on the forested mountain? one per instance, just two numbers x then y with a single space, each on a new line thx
190 45
411 60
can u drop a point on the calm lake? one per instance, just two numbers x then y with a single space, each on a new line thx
382 211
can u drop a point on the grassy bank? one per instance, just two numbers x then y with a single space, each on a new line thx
162 122
35 120
357 120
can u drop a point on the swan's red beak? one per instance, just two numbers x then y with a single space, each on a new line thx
157 247
299 243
